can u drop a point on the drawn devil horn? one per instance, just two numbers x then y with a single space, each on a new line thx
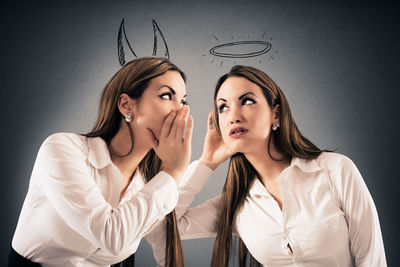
163 47
158 50
122 37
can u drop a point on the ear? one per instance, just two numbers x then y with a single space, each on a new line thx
126 105
276 113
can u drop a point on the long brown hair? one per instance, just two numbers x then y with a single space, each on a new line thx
133 79
288 141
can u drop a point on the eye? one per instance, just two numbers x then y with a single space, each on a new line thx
248 101
167 96
184 102
221 108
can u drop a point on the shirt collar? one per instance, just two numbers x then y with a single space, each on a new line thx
99 155
305 165
258 189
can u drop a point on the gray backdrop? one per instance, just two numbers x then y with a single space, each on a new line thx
337 64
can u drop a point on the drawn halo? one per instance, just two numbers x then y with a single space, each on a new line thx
216 50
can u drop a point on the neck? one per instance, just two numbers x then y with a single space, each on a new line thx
120 145
267 168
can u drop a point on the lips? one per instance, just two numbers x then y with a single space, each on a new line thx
237 131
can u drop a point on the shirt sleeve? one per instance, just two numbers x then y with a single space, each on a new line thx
361 215
64 177
197 222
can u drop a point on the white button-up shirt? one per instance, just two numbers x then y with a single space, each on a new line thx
328 217
72 215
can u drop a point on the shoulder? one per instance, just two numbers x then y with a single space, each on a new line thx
334 161
71 142
342 171
66 139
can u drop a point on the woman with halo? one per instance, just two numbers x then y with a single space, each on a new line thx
93 197
288 202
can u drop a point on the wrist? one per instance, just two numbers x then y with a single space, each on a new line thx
175 174
208 163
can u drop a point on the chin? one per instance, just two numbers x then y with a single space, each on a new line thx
245 148
238 149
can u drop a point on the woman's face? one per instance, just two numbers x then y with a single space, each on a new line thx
164 94
245 118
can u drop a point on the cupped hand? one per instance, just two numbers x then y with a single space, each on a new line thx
215 151
174 146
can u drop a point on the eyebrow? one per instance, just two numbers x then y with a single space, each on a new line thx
170 88
240 97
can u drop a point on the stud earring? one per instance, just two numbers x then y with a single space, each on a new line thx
128 117
276 126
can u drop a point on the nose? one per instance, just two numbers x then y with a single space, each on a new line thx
236 115
176 106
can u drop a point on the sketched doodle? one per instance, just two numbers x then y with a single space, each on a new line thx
157 32
122 34
247 51
157 47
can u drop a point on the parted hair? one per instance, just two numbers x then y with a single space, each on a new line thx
288 141
133 79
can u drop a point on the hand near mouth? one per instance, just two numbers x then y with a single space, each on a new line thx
174 148
215 151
